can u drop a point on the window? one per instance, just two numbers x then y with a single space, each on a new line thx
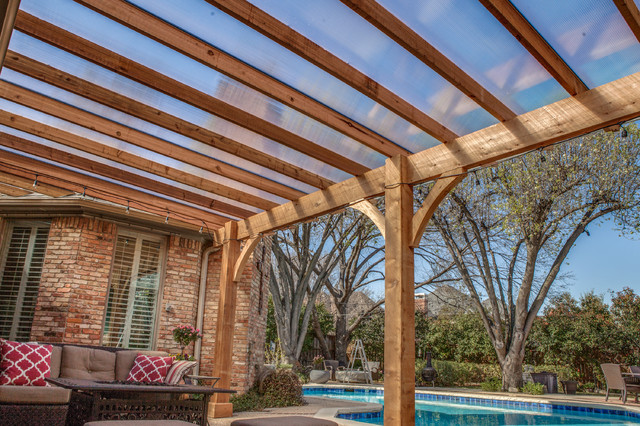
133 292
22 260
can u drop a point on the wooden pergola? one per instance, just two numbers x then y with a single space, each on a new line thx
263 149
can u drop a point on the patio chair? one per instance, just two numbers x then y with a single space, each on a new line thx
614 379
331 365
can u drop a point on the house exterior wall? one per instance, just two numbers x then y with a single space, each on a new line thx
75 280
250 318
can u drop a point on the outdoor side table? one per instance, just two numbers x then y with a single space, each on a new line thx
92 401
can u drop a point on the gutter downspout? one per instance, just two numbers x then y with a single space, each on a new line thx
201 298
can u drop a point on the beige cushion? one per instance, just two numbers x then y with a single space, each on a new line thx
56 360
34 395
87 363
125 360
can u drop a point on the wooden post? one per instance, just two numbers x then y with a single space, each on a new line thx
220 406
399 322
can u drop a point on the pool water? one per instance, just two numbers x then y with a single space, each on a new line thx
444 412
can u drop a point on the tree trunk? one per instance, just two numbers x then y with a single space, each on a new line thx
342 337
512 365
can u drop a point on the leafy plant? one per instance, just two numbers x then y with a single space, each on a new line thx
492 384
184 335
533 388
248 401
282 389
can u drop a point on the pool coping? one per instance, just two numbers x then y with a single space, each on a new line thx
486 399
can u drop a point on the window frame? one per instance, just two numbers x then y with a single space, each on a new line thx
139 236
7 232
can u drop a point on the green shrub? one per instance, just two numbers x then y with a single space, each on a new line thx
282 389
492 384
533 388
586 387
452 373
249 401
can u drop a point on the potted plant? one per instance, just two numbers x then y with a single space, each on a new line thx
184 335
319 374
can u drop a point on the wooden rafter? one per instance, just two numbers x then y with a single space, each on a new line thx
13 191
92 52
631 15
110 128
526 34
411 41
279 32
597 108
27 184
8 11
94 187
209 55
114 154
110 172
71 83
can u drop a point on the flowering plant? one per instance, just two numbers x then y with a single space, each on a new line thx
317 361
184 335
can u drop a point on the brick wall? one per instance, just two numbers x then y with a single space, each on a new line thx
75 277
179 303
251 314
74 286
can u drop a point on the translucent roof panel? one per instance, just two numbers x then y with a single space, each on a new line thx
341 31
467 34
132 149
198 18
590 35
128 43
101 160
73 65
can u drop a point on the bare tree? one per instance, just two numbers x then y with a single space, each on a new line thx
302 263
510 228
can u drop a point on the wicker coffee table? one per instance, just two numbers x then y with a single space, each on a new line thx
91 401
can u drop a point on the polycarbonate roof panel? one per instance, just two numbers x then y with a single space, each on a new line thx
71 64
101 160
590 35
468 34
341 31
198 18
128 43
132 149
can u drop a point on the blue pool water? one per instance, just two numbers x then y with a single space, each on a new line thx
445 410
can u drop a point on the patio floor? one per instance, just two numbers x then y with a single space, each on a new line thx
321 407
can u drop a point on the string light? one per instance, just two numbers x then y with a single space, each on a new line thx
623 132
84 191
35 182
200 230
166 220
127 209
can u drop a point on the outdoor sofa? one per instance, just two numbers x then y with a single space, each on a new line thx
47 405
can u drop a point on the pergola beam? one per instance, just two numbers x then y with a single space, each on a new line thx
73 84
277 31
631 15
8 11
207 54
528 36
118 174
105 58
94 187
140 139
12 191
128 159
597 108
412 42
27 185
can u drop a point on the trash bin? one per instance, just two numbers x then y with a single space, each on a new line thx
550 380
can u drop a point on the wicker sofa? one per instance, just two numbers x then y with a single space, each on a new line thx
47 405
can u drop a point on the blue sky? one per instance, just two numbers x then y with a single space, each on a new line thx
603 261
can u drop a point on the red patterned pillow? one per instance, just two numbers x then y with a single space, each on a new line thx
150 369
25 364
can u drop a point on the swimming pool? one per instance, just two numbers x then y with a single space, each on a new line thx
432 409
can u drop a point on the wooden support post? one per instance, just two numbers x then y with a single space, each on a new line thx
220 406
399 323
